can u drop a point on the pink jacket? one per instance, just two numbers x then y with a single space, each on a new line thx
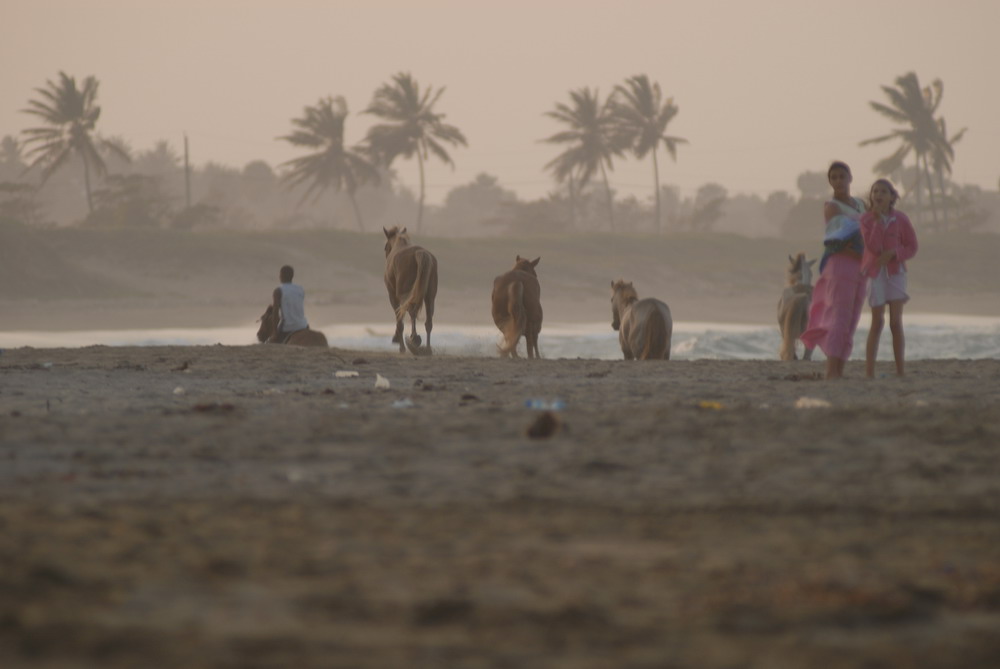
897 235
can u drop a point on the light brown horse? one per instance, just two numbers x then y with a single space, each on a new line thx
267 333
517 307
644 326
793 306
411 278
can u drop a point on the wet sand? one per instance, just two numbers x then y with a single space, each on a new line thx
245 507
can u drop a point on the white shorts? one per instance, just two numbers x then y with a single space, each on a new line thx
887 288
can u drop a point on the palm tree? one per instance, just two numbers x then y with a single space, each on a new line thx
594 140
922 134
643 116
331 164
70 114
412 127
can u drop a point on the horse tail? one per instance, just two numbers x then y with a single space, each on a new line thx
656 337
514 327
420 283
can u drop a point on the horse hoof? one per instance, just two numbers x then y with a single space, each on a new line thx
413 343
397 339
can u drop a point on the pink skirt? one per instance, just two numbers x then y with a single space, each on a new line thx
837 301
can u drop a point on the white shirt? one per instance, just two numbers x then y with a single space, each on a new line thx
293 312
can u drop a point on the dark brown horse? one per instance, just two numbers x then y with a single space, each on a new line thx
517 307
269 327
411 279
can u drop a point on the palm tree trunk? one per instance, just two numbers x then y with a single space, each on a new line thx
916 189
656 184
420 208
607 189
572 202
86 184
357 211
930 192
944 197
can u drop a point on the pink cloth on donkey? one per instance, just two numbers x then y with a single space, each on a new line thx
837 300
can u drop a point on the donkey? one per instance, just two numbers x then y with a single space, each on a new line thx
411 278
793 307
517 307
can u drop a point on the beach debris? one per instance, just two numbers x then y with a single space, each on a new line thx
46 365
345 373
359 361
711 405
381 382
544 426
213 407
272 391
405 403
812 403
545 405
183 367
295 475
179 390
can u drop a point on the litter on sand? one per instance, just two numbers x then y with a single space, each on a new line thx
381 382
345 373
812 403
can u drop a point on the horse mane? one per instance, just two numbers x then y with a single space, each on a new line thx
627 291
396 236
795 268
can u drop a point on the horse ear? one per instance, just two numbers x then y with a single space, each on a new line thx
812 262
791 259
403 231
517 258
387 235
534 263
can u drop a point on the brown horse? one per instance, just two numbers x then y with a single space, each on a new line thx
267 333
411 278
517 307
793 306
644 326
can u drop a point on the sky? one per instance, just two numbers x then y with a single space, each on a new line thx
766 89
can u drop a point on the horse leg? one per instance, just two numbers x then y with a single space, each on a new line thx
413 341
428 321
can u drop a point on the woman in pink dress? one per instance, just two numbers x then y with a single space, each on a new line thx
839 295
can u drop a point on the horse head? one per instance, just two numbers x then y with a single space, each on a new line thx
525 265
395 236
622 295
267 325
800 270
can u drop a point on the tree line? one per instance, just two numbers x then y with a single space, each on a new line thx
632 121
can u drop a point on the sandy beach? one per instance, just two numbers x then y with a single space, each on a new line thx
246 507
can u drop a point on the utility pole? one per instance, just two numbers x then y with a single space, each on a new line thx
187 174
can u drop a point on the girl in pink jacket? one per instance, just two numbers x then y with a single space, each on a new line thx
889 242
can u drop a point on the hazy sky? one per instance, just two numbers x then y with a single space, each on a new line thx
766 88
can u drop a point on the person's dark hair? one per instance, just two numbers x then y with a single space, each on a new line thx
892 191
838 165
287 273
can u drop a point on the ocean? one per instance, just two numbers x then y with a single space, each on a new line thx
927 336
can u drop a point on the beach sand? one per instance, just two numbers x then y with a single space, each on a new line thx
245 507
